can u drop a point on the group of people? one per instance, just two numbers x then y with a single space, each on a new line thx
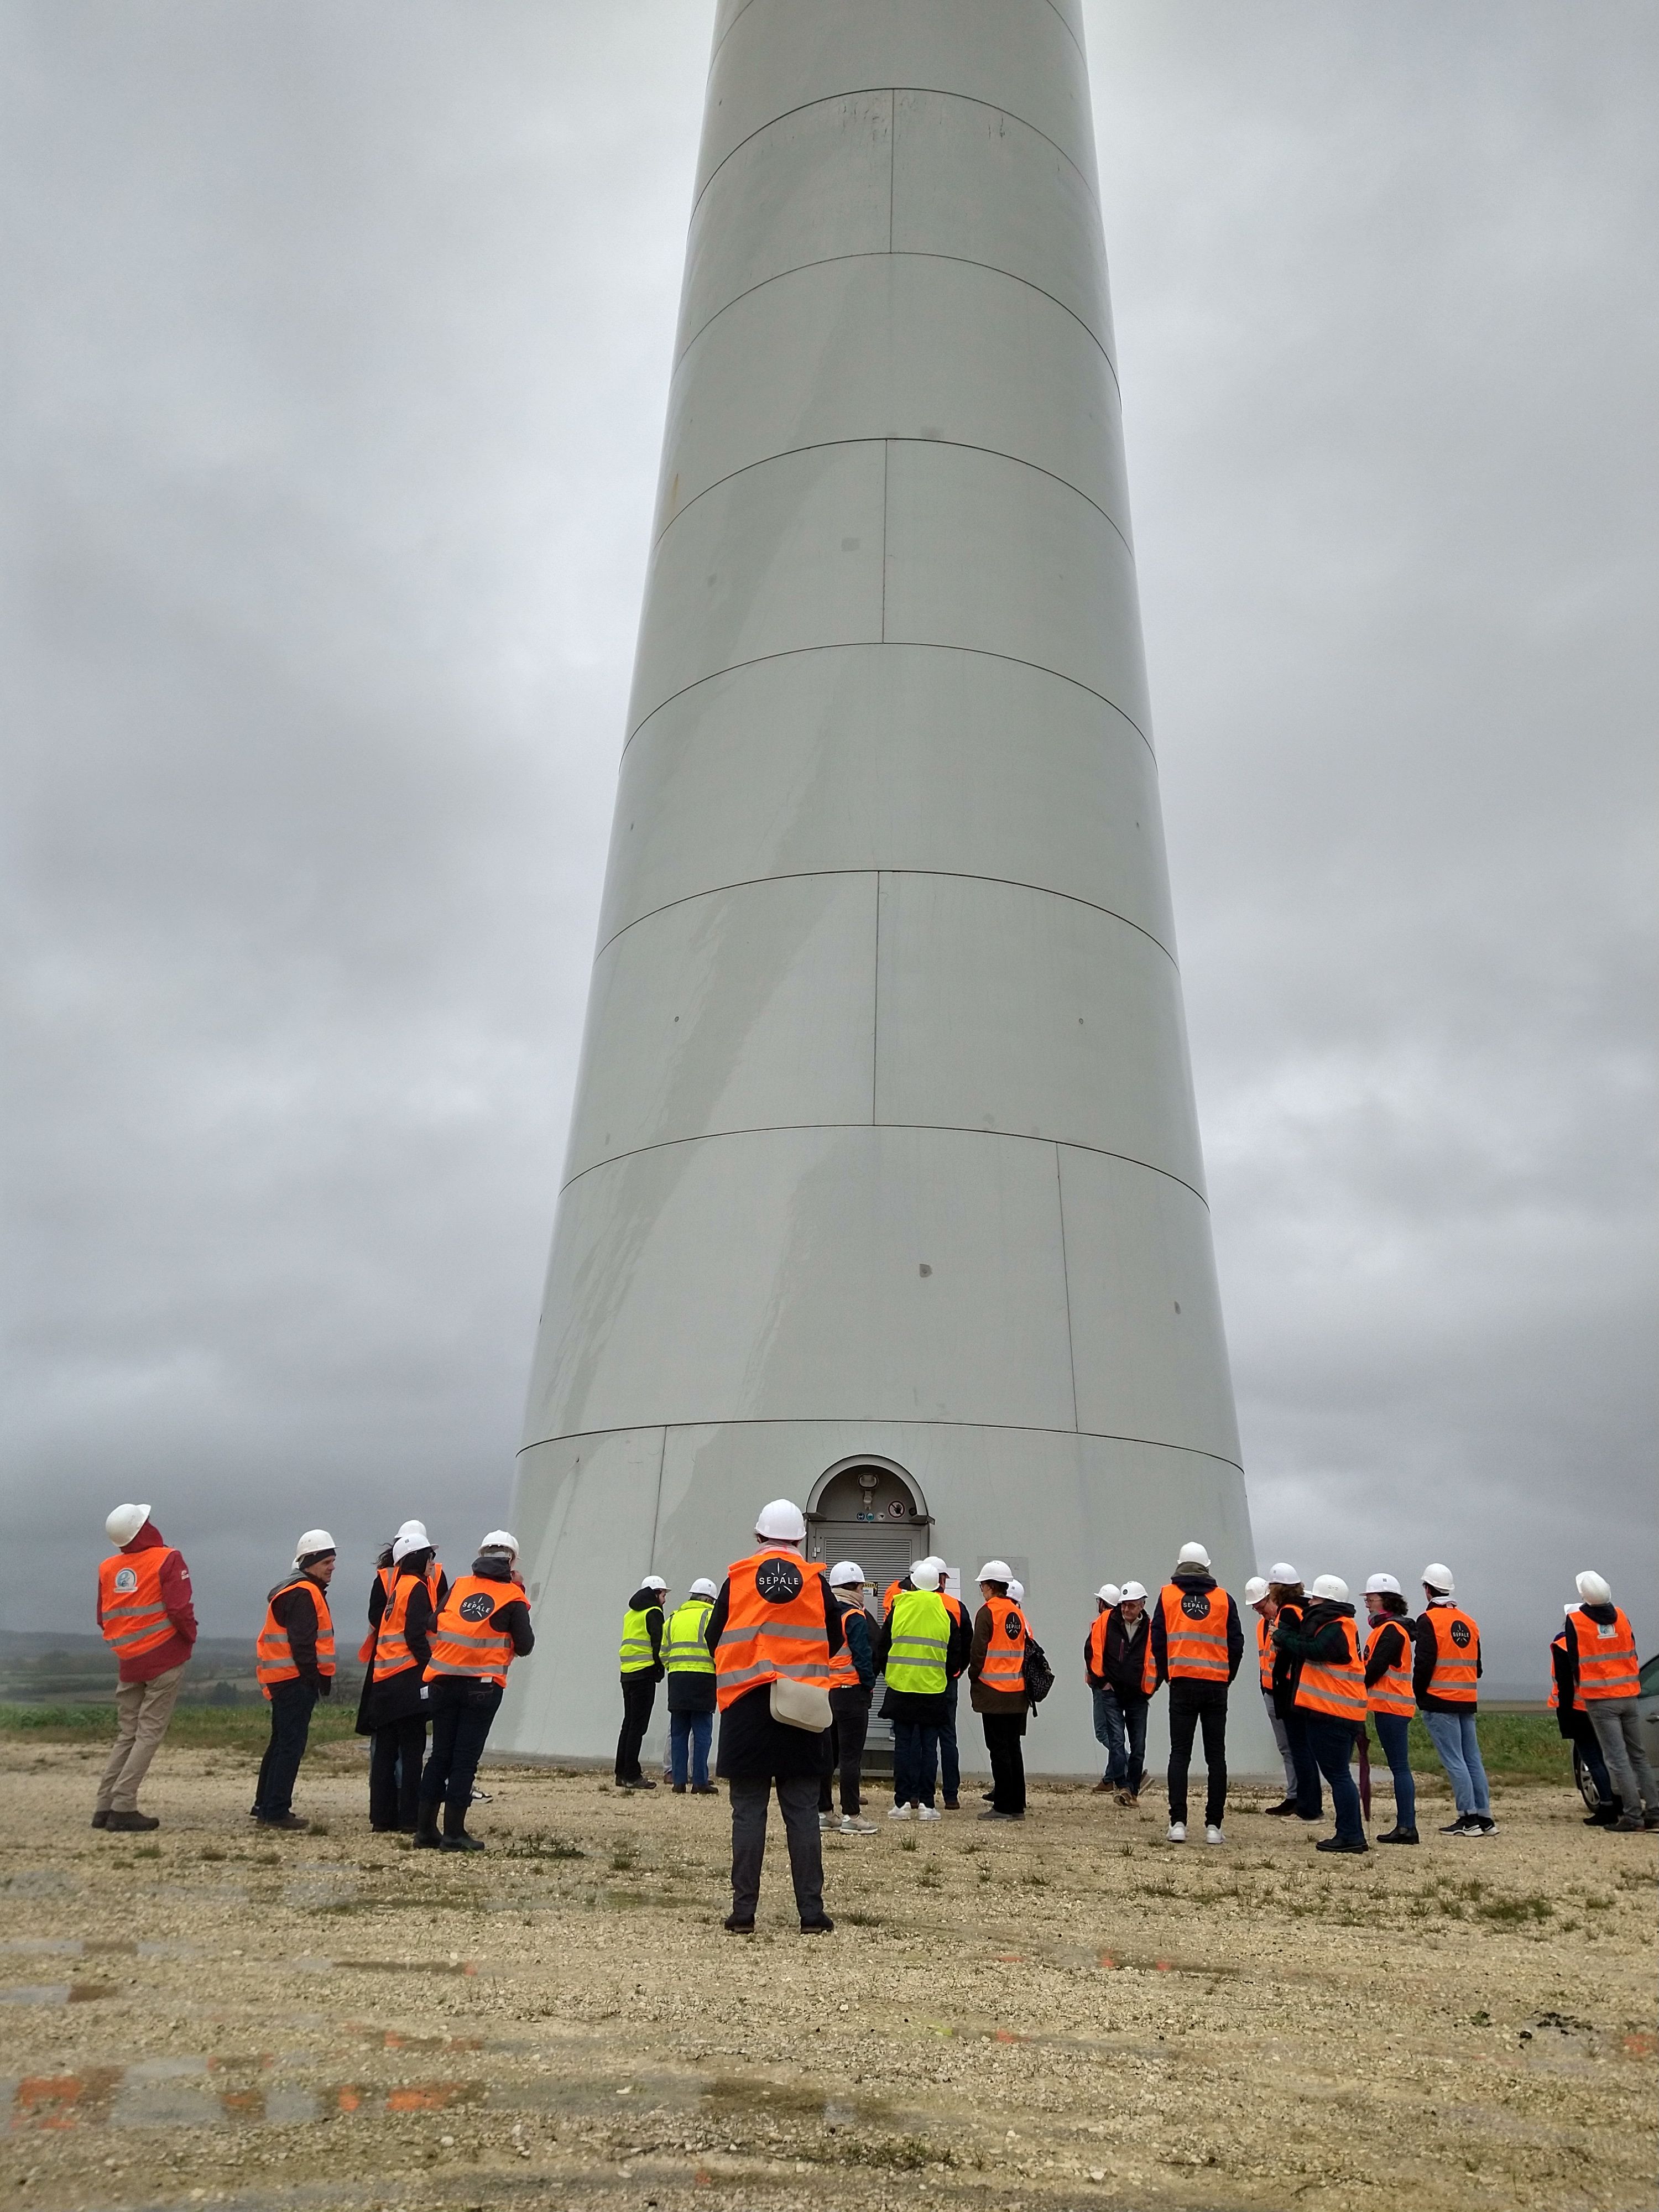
790 1657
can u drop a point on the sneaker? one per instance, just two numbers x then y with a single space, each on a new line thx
1212 1834
1459 1826
1651 1819
461 1843
484 1797
1398 1835
1177 1831
639 1781
988 1796
826 1821
851 1825
1340 1843
1627 1824
1485 1824
929 1813
994 1815
133 1823
704 1790
1466 1832
823 1925
734 1926
898 1812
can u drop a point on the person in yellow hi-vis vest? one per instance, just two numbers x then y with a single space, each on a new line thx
923 1647
641 1664
691 1669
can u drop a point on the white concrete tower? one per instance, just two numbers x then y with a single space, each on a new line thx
883 1187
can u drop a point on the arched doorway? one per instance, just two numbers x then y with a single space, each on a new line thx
869 1510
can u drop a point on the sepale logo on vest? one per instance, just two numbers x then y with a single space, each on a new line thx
478 1607
1460 1635
778 1580
1195 1604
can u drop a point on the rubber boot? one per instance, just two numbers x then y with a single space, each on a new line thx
455 1837
427 1838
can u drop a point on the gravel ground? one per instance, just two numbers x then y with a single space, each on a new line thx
1069 2014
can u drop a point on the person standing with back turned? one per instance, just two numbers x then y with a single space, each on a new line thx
1445 1673
149 1619
1195 1645
642 1670
1607 1681
775 1627
1330 1692
484 1625
996 1675
691 1666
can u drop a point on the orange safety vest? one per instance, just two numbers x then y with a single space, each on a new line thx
1337 1692
1457 1654
843 1674
463 1640
1003 1668
1391 1692
1607 1665
389 1578
1096 1656
1194 1637
135 1614
1264 1651
1559 1642
389 1643
274 1655
774 1626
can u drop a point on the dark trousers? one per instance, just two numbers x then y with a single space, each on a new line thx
1331 1742
847 1730
395 1752
1003 1731
1195 1706
949 1759
915 1756
689 1735
290 1724
1309 1801
1589 1745
462 1710
797 1801
639 1695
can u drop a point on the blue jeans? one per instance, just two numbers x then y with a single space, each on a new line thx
950 1763
689 1732
1331 1742
916 1752
1453 1737
1121 1729
1393 1730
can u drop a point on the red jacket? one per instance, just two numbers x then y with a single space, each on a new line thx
181 1612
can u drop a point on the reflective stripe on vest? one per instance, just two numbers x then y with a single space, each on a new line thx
1337 1692
1457 1654
388 1578
775 1625
685 1650
392 1651
465 1641
274 1655
1194 1637
1003 1668
636 1655
135 1614
920 1637
1607 1665
1392 1690
843 1674
1264 1651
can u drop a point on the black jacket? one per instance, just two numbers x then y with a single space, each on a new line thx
1317 1635
910 1705
648 1602
1194 1579
296 1610
1125 1654
1390 1644
753 1747
400 1697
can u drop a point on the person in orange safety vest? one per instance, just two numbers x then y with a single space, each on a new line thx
1445 1676
1195 1645
405 1599
146 1614
1330 1692
294 1663
483 1625
1575 1724
1607 1676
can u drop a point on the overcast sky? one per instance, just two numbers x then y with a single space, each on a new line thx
333 414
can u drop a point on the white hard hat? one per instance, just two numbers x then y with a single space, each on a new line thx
1134 1590
653 1582
124 1524
1109 1592
500 1540
782 1521
1381 1585
313 1545
703 1588
1255 1590
1282 1572
1192 1555
1438 1578
1016 1592
1330 1586
403 1546
925 1575
995 1571
933 1559
416 1529
1594 1588
846 1572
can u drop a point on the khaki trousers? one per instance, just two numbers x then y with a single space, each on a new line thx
143 1710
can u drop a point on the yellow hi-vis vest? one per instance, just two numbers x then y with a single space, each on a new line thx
921 1637
637 1656
684 1651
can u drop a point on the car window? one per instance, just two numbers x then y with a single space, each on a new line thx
1650 1676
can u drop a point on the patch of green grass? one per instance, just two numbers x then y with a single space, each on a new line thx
1515 1747
147 1851
1515 1911
244 1727
906 1842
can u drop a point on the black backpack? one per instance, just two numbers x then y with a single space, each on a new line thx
1039 1675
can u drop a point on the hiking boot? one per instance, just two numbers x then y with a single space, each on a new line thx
133 1823
290 1823
734 1926
954 1805
427 1838
1398 1835
461 1842
1650 1818
823 1925
679 1789
993 1814
101 1817
1101 1789
704 1790
1129 1797
1627 1824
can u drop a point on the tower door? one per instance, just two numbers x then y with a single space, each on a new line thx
869 1512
